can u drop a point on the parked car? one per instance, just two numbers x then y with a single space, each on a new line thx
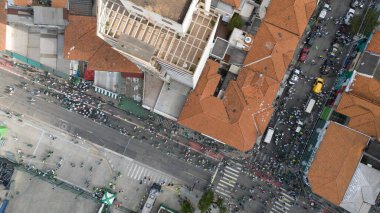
350 14
294 77
317 88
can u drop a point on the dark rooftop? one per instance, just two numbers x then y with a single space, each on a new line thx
372 154
220 48
369 65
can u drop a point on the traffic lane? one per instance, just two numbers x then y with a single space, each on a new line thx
54 115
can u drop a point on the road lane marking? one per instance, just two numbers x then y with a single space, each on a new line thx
38 144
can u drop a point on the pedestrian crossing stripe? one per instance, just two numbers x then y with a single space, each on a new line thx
286 199
278 208
222 193
222 186
231 173
227 167
236 163
232 185
228 180
281 205
222 189
288 196
230 176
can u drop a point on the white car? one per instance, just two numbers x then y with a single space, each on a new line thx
294 77
349 16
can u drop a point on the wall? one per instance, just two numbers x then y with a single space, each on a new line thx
205 55
189 16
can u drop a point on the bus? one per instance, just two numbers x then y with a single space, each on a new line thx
310 105
269 135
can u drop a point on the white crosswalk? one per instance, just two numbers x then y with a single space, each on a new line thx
228 179
283 203
139 172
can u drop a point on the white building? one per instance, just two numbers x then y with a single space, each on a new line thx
171 40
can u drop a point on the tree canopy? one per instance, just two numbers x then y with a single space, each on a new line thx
206 200
186 207
235 22
369 20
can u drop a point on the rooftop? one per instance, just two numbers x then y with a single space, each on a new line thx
336 161
82 43
290 15
366 88
363 189
139 37
3 24
369 65
235 119
362 105
54 3
374 45
233 3
174 10
244 113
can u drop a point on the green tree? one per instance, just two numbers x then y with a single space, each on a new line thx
235 22
220 204
206 200
369 20
186 207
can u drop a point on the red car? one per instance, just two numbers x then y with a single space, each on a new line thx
303 57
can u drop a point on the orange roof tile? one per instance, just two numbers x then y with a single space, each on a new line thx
3 24
233 3
290 15
367 88
22 2
82 43
374 45
237 119
336 161
364 115
59 3
246 108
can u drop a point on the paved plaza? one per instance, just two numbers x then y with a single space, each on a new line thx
78 161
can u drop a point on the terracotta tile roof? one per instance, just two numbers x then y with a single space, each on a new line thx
374 45
22 2
364 115
233 3
366 88
336 161
246 108
290 15
237 119
54 3
59 3
82 43
3 24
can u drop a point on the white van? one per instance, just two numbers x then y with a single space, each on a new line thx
269 135
310 105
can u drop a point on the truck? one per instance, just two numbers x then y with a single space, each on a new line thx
310 105
269 135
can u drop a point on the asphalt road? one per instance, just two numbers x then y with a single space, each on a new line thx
75 124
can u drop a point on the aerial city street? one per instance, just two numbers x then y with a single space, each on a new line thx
185 106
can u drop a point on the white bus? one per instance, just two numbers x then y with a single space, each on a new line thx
310 105
269 135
